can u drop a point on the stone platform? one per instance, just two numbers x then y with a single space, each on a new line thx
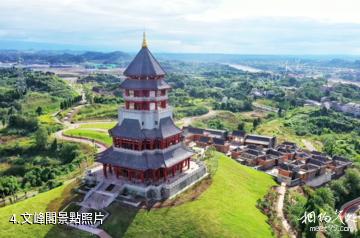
150 191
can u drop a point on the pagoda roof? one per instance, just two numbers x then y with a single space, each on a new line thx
136 84
130 128
144 64
146 160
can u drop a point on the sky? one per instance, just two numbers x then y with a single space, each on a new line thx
187 26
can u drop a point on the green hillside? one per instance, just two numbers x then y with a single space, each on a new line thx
226 209
52 200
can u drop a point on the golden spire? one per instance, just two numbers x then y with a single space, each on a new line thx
144 43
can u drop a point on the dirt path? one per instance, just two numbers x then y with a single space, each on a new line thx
308 145
279 210
186 121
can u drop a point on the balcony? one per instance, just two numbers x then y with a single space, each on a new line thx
144 99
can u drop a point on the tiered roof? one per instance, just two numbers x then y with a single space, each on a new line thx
146 160
134 84
131 129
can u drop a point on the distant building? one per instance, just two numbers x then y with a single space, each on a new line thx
302 156
207 137
237 137
339 165
264 141
251 157
289 149
350 108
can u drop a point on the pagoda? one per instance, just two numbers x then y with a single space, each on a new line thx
147 146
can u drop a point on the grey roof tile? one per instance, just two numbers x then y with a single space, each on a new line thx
130 128
144 64
146 160
137 84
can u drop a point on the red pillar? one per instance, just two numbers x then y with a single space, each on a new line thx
142 176
153 175
129 175
104 170
188 161
117 171
165 173
110 168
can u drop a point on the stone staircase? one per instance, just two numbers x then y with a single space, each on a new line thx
98 198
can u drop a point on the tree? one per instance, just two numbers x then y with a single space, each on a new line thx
8 185
39 111
41 137
256 123
3 121
216 124
340 191
241 126
54 145
352 177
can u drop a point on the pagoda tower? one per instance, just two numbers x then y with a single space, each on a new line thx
147 145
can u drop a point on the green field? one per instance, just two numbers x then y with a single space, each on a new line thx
53 200
97 111
101 136
226 209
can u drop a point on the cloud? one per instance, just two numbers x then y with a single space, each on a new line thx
232 26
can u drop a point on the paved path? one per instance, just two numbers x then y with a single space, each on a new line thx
96 231
279 210
348 211
186 121
60 135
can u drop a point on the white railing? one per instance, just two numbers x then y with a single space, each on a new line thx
160 109
200 170
150 98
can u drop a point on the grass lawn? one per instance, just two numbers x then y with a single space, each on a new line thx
226 209
102 125
53 200
91 134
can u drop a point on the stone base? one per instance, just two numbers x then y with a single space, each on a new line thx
169 188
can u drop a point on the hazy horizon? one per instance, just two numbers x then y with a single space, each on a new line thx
258 27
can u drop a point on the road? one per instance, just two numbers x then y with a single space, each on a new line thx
186 121
348 212
279 210
60 135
